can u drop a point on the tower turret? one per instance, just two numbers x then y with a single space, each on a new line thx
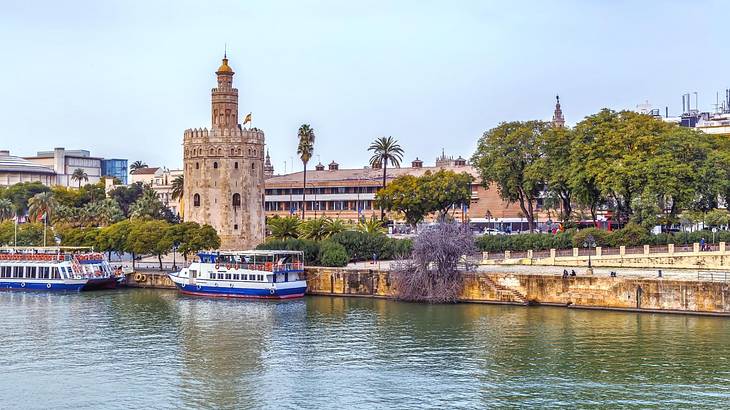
558 119
224 98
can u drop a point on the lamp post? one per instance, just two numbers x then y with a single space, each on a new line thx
589 243
489 218
174 251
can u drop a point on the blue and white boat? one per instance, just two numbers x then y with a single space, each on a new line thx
244 274
54 269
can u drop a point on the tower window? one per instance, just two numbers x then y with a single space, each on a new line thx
220 151
215 165
235 165
233 151
235 227
197 165
236 200
196 200
253 166
212 151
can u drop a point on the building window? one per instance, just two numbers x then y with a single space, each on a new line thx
215 165
235 227
196 200
233 151
253 166
197 165
220 151
236 199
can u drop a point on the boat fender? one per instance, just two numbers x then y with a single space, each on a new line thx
48 285
272 291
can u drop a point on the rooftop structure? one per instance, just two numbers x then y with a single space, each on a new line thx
16 169
558 119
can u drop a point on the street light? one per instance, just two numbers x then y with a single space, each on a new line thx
590 242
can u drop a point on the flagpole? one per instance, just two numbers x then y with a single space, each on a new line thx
15 241
45 224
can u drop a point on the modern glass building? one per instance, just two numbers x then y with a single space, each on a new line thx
116 168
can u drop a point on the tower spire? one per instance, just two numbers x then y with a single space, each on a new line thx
558 119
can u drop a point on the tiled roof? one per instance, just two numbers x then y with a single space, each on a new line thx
145 171
362 175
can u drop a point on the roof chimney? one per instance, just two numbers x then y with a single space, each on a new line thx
334 166
416 163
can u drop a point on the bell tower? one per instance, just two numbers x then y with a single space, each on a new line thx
224 98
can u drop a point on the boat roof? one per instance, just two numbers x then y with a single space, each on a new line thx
257 252
46 248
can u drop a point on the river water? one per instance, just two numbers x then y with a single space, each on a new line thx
156 349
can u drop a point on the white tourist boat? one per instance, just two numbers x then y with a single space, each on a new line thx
54 269
244 274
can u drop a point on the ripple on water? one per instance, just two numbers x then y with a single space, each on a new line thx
156 349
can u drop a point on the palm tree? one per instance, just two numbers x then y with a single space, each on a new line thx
385 150
7 210
136 165
315 229
372 226
42 204
178 187
284 228
79 175
305 149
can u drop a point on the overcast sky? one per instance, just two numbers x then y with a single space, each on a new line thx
125 78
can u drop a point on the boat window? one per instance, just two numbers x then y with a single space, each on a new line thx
228 276
260 277
220 276
30 272
236 276
56 273
212 275
5 271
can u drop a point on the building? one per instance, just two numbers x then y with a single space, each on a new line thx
65 162
160 179
115 168
15 169
349 194
224 171
144 175
558 119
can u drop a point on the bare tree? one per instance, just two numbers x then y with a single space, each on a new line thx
435 272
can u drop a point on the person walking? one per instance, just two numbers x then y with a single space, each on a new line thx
702 244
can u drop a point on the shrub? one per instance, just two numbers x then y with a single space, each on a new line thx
333 254
630 235
361 246
602 237
523 242
310 248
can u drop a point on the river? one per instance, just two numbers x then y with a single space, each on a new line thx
156 349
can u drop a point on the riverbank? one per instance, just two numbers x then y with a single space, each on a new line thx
583 291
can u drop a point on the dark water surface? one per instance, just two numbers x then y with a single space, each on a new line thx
155 349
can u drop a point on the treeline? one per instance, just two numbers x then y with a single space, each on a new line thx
645 170
331 242
630 235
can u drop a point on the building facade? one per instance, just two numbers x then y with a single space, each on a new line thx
223 169
349 194
14 170
115 168
64 162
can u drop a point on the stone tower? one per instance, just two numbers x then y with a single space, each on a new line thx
558 119
224 171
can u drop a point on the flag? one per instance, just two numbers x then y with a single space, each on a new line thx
42 217
247 120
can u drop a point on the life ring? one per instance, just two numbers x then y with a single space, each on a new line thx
198 287
48 285
228 266
138 277
22 284
217 266
272 291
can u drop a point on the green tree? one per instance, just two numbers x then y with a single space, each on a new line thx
717 218
385 150
42 204
147 206
305 149
114 238
404 195
509 156
314 229
127 195
371 226
149 237
283 228
20 193
7 210
136 165
445 190
178 187
203 238
556 167
79 175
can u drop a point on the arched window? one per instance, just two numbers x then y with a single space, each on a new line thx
235 165
249 152
215 165
200 151
239 151
197 165
212 151
220 151
253 166
196 200
233 151
236 200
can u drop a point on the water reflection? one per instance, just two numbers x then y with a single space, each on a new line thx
149 348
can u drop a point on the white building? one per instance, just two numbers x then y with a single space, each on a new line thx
65 162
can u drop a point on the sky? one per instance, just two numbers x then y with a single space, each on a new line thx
124 79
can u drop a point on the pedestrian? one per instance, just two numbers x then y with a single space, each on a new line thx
375 257
565 273
572 272
702 244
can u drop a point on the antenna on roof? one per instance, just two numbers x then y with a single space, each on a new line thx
225 50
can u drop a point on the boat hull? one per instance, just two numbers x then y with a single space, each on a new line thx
101 283
242 293
65 286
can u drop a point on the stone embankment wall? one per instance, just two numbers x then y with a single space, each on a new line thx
676 296
149 279
649 257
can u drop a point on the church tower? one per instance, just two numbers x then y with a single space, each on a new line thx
224 171
558 119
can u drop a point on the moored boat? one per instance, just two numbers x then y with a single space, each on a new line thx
244 274
54 269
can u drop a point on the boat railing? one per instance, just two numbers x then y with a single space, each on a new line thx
265 267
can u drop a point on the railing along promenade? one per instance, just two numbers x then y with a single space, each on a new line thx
689 256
